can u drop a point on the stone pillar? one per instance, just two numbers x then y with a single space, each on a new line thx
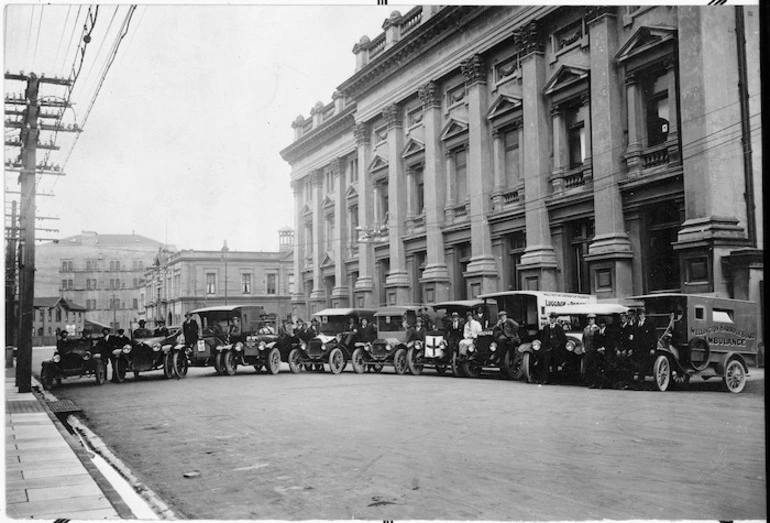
498 161
714 184
435 277
560 149
364 287
538 263
317 295
673 109
411 198
397 281
635 113
610 250
482 271
340 292
297 298
585 99
448 177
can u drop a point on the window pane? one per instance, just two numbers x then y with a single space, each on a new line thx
461 175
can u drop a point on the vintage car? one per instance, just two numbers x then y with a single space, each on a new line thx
702 336
391 344
573 319
74 358
529 309
232 335
439 347
335 342
144 354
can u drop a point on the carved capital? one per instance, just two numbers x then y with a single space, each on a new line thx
335 166
474 70
496 132
362 134
430 95
556 111
529 38
585 98
594 13
296 187
317 177
631 79
317 108
392 115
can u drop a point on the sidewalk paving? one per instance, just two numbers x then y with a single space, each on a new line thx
48 473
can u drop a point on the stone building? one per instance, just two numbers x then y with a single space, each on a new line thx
102 272
55 314
607 150
178 282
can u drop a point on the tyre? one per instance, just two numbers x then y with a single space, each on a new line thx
100 373
457 368
273 361
471 369
336 360
399 361
229 363
46 377
440 370
179 364
119 370
218 363
662 372
357 361
526 367
294 365
734 379
511 368
414 361
681 380
168 371
703 350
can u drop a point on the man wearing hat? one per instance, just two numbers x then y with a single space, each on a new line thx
552 340
161 329
190 330
142 331
645 343
454 329
506 333
624 351
591 356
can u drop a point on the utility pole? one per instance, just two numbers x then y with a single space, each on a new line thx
10 281
28 141
225 250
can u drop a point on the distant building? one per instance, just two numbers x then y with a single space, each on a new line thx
102 272
182 281
53 315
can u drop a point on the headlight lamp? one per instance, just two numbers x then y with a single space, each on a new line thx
471 348
493 346
56 358
339 337
156 347
87 356
570 346
418 345
368 347
239 346
262 345
303 346
536 345
126 348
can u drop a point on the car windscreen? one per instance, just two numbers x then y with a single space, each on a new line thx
213 321
333 325
390 323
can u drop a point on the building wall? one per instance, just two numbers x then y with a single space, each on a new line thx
48 320
554 148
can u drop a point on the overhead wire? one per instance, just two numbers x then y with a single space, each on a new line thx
29 37
61 39
37 38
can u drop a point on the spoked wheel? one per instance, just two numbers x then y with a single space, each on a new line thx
273 361
357 360
119 367
526 367
294 365
414 360
511 365
735 376
100 373
471 369
336 361
218 363
662 373
179 364
399 361
46 377
457 368
440 370
168 367
229 363
680 379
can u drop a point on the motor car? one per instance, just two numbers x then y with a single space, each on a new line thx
391 345
573 319
335 343
440 344
231 335
702 336
530 310
74 358
146 353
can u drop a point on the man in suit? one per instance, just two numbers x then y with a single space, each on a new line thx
161 329
553 341
645 343
506 334
142 331
454 329
623 364
591 357
605 342
190 330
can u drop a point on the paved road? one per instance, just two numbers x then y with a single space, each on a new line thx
404 447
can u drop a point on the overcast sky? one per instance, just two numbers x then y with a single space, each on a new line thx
183 139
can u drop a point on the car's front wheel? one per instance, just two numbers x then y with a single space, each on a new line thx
399 361
662 373
119 367
168 366
294 365
336 360
100 373
47 377
511 365
414 360
179 364
274 361
526 367
357 360
218 363
471 369
229 363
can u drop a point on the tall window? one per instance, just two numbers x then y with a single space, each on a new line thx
135 304
382 203
580 234
576 135
308 239
353 221
246 283
511 144
655 90
460 158
329 232
58 314
66 266
353 170
271 283
88 285
211 283
291 283
419 186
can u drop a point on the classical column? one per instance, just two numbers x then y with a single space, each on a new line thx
435 277
318 294
635 115
297 297
397 281
538 263
340 292
498 161
673 109
410 194
585 100
560 148
481 275
610 250
364 287
447 178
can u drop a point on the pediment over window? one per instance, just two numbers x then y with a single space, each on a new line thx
327 261
502 106
647 38
412 147
351 193
327 203
377 164
306 210
453 128
565 77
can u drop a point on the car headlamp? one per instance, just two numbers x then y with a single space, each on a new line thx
493 346
303 346
239 346
536 345
368 347
570 346
126 348
471 348
339 337
442 345
87 356
388 347
418 345
156 346
56 358
323 347
262 345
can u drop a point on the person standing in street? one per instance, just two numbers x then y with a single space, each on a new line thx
645 343
553 340
190 330
591 356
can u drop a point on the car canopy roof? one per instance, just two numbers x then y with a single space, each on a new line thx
590 308
554 294
682 295
345 312
397 310
458 304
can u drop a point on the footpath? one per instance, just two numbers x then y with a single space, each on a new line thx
48 472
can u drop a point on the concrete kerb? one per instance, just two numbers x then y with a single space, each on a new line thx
98 446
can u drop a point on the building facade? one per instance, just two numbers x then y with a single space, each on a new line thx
606 150
102 272
53 315
182 281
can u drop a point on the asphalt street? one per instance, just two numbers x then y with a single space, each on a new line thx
320 446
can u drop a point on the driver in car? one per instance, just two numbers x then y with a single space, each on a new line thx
506 333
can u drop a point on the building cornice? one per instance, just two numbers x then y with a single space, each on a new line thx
321 135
